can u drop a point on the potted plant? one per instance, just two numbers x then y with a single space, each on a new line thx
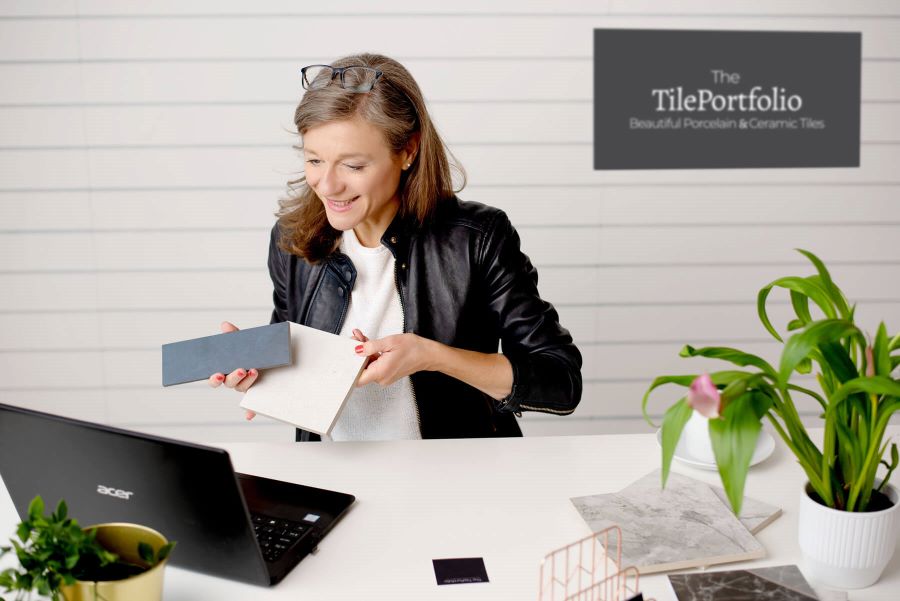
60 559
842 503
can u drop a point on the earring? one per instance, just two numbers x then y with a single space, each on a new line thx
407 165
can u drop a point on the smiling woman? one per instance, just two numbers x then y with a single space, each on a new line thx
355 175
375 244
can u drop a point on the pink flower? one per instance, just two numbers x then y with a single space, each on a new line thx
704 397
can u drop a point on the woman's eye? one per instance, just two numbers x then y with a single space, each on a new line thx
313 161
354 167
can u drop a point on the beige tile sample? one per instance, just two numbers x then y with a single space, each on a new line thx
311 391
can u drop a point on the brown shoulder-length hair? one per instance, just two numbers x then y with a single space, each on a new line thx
396 107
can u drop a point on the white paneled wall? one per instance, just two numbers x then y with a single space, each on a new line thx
143 147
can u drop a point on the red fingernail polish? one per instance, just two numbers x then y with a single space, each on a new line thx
359 348
220 378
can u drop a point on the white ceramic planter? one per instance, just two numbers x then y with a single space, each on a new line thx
696 438
843 549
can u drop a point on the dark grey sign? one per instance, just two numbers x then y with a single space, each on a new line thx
682 99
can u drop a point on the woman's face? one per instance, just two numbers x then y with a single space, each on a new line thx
355 175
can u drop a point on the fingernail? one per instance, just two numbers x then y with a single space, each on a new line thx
242 373
359 348
220 378
252 372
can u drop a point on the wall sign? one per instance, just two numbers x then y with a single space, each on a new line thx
684 99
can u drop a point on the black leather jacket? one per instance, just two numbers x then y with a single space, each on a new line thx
463 281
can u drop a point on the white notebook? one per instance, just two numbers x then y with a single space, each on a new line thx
311 391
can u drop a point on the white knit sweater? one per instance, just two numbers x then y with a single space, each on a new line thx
375 412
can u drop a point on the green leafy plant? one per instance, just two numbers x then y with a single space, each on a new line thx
54 551
858 396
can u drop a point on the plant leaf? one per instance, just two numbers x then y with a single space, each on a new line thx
673 423
894 343
680 380
835 294
878 385
799 346
838 361
895 460
800 302
165 551
62 511
23 531
881 352
36 508
729 354
806 286
145 552
734 440
810 393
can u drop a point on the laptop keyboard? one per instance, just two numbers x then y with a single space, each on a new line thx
276 535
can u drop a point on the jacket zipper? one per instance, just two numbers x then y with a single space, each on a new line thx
412 385
544 410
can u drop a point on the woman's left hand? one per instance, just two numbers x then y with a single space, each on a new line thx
394 357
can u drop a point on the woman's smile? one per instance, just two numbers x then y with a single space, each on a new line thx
341 206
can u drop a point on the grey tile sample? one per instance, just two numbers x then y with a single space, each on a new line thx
199 358
683 526
779 583
755 515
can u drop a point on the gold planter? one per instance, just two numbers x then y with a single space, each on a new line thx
123 539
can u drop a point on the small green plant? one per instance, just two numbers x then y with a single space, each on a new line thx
859 396
54 551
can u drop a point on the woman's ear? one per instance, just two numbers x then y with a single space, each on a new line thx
412 149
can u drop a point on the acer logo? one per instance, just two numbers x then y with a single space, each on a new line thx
114 492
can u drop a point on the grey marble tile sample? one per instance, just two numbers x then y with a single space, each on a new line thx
755 515
684 526
779 583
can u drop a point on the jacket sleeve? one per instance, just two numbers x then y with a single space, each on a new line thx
546 363
278 271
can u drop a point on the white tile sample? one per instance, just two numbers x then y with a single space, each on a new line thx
311 391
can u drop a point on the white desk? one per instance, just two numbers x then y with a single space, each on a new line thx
506 500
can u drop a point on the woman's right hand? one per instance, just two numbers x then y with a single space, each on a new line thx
239 379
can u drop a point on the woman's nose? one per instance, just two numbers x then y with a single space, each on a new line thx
329 183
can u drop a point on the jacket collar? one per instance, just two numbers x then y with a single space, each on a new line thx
398 234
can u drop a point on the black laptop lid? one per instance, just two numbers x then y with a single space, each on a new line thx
186 491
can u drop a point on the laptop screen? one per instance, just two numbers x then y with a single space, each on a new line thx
188 492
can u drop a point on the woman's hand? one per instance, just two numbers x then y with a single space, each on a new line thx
394 357
240 379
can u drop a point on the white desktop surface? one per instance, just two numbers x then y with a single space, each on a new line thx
505 500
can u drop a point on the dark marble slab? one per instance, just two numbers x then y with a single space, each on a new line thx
778 583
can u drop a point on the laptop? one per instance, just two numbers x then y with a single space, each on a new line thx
226 524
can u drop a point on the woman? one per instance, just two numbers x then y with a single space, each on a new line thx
375 245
